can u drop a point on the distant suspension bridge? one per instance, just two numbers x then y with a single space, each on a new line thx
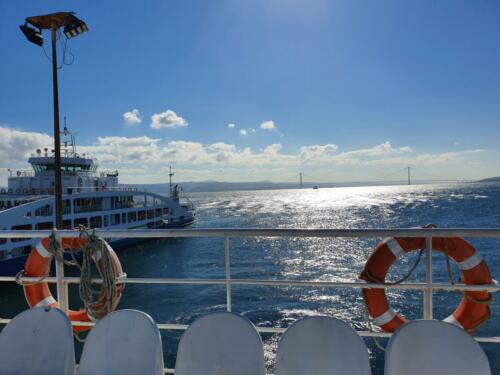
401 175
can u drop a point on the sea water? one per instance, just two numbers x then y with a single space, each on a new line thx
327 259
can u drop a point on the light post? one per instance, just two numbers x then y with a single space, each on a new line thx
72 27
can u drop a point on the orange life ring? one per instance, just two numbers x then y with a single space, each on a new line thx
472 311
38 265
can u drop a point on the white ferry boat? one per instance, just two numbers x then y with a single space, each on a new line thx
90 198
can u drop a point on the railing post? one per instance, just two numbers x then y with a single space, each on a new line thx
62 287
228 272
428 279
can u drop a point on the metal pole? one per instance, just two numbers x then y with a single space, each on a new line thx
409 180
62 286
228 273
57 138
62 290
428 279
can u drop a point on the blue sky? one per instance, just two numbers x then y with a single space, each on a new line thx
348 90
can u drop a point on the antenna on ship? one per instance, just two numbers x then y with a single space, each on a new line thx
300 179
170 174
409 180
71 135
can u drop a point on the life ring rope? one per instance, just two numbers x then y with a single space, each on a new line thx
405 277
108 296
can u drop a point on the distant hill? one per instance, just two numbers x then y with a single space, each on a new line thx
491 179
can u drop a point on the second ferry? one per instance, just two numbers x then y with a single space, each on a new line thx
90 198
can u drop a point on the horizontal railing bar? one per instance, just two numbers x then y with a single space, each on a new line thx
257 282
277 330
257 232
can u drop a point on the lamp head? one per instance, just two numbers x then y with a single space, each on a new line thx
75 28
33 35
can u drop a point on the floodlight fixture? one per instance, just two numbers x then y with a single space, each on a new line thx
33 35
75 28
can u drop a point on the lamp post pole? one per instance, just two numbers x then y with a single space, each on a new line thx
57 134
72 27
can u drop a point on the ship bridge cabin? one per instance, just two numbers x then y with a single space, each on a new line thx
79 174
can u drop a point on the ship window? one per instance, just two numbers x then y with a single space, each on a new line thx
67 224
165 211
44 211
81 221
158 212
87 204
124 218
141 215
96 222
3 240
3 254
21 227
46 225
132 216
115 219
106 220
43 167
151 214
66 207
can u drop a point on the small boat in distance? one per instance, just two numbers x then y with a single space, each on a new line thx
90 198
315 187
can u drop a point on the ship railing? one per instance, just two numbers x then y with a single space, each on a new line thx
428 287
86 189
22 173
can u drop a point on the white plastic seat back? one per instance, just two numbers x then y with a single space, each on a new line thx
220 344
37 341
124 342
428 347
321 345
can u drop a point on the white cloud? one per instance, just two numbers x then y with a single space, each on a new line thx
123 149
133 117
316 151
273 148
167 119
245 132
365 156
223 151
231 126
142 158
17 145
268 125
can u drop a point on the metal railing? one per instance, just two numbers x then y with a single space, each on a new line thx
427 287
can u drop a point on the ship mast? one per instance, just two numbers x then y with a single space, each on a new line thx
170 174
